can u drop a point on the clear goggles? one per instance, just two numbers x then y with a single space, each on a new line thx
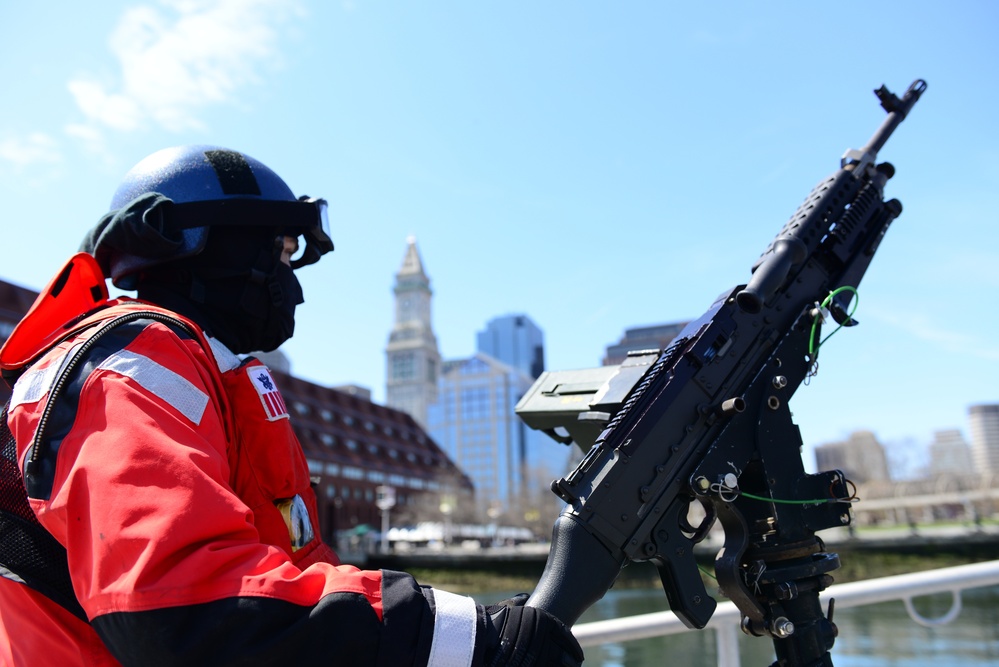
318 241
306 217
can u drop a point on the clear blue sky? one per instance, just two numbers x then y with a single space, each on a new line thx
594 165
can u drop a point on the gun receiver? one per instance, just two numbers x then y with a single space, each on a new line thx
706 420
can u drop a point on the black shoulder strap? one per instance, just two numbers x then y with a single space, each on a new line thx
28 553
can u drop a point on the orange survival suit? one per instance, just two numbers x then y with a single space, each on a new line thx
167 472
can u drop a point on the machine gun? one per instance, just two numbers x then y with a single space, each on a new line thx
706 420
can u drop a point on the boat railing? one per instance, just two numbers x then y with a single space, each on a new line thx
726 620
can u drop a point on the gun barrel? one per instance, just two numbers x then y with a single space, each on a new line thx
897 110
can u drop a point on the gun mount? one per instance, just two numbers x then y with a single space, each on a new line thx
706 421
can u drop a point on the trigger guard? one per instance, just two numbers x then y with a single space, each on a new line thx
698 533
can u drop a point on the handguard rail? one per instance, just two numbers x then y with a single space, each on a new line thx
727 617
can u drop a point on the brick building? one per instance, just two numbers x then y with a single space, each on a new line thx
354 446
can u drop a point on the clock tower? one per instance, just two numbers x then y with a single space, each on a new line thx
412 358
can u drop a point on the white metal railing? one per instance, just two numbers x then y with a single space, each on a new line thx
726 619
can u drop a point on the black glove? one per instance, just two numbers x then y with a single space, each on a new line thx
519 636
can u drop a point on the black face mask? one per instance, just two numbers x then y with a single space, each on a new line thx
268 312
248 305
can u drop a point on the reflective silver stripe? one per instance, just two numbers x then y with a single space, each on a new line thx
35 384
159 381
454 630
224 357
7 574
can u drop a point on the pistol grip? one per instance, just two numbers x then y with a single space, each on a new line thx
684 589
578 572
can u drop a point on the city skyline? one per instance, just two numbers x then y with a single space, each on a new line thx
517 340
467 404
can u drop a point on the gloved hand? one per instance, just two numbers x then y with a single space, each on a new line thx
519 636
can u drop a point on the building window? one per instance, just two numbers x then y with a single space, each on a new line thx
474 403
403 365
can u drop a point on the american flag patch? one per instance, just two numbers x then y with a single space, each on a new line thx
270 397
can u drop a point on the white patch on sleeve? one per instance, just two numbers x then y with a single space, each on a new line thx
34 385
160 381
454 630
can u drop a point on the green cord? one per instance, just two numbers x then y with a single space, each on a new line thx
813 349
789 502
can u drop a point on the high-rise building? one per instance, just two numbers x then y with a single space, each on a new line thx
861 458
471 423
949 453
655 337
474 422
516 341
412 356
983 424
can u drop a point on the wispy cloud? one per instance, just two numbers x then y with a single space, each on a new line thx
36 148
925 328
173 60
179 58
